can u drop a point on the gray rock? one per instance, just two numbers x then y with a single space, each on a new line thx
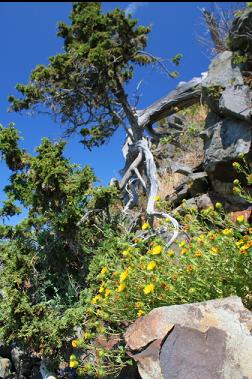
180 168
236 102
208 340
5 367
26 366
188 353
222 72
195 184
224 141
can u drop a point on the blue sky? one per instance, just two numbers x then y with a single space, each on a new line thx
28 37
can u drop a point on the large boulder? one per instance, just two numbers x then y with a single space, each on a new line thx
208 340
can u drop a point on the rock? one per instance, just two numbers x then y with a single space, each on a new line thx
5 368
236 102
195 184
25 365
222 72
204 340
246 213
240 32
189 353
224 141
180 168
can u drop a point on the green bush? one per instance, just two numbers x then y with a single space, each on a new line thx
129 276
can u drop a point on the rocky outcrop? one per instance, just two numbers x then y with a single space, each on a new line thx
228 126
210 340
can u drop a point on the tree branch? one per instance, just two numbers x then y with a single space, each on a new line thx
183 96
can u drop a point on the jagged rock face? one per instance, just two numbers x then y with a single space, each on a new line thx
210 340
227 131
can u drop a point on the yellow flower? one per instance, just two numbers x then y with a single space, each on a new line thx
189 268
101 289
151 265
95 299
125 253
123 276
139 304
236 190
104 270
121 287
182 243
74 343
145 226
170 253
240 242
214 250
246 246
227 232
149 288
201 238
156 250
198 253
157 198
107 292
240 218
250 230
140 313
87 335
184 251
236 165
73 364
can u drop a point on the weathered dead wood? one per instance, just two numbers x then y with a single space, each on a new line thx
182 97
